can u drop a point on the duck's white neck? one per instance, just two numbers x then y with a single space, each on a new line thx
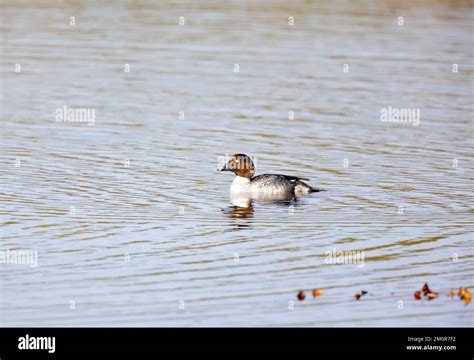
240 184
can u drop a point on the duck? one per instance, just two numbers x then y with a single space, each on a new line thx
266 185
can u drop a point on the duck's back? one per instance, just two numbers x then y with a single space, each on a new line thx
273 183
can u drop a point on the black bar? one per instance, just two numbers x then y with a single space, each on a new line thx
83 341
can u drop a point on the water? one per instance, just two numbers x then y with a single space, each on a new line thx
133 225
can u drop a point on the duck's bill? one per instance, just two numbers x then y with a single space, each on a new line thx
222 167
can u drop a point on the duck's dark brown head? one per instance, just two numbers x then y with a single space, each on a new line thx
240 164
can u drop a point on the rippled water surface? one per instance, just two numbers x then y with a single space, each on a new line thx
134 226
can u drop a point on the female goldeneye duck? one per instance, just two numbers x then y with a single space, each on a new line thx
268 184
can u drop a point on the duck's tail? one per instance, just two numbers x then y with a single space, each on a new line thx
303 188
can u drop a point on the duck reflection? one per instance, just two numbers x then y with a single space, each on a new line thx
241 212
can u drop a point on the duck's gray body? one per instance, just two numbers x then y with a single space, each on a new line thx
271 184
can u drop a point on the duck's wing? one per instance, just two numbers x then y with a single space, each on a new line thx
292 178
273 177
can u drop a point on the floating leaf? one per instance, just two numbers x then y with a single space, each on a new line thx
452 293
426 289
360 294
301 295
467 297
317 292
418 295
464 294
428 293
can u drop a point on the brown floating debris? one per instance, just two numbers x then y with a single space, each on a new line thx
463 294
427 292
426 289
360 294
317 292
467 297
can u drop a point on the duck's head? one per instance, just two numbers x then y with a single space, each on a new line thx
240 164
